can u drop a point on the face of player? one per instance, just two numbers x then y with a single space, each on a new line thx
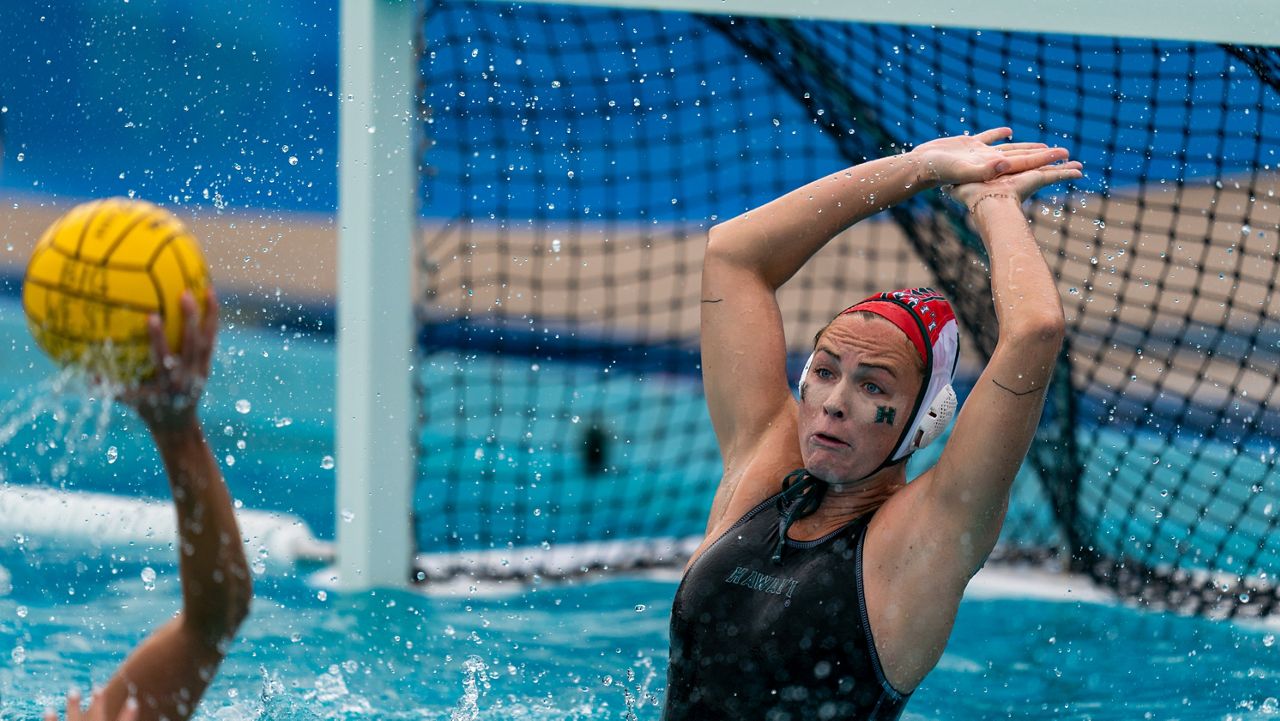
860 390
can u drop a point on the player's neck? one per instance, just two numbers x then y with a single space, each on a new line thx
845 502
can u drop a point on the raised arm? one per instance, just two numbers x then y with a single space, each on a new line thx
967 492
749 257
168 672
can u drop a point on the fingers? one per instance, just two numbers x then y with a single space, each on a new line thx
1013 153
1032 181
208 330
1057 175
1011 147
159 345
994 134
74 712
130 710
49 715
1019 162
94 712
1072 169
191 335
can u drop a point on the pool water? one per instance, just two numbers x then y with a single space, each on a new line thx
598 651
594 649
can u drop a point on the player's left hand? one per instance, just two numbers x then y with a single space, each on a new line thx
168 398
976 158
96 710
1020 185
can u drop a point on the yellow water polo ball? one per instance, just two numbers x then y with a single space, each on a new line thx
96 276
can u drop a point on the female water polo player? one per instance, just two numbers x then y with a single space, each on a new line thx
827 585
168 672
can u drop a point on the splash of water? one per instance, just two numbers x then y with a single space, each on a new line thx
474 685
79 409
332 694
636 692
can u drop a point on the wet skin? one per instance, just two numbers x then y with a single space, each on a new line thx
863 364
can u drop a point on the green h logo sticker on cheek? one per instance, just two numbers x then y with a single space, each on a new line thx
885 414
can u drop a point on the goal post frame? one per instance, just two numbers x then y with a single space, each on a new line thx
377 217
1243 22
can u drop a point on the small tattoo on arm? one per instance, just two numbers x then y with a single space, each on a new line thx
885 414
1016 393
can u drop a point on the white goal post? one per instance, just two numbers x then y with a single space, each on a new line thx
1243 22
377 215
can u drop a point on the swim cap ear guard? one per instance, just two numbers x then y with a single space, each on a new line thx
936 418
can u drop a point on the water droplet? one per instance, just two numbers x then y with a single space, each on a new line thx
322 595
347 516
21 611
284 421
293 160
555 245
19 654
640 608
149 578
243 406
112 454
327 463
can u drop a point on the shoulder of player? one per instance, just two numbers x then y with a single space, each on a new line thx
913 546
906 526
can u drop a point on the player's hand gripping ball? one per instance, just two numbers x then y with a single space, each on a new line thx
98 273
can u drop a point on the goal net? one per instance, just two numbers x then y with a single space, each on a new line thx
573 159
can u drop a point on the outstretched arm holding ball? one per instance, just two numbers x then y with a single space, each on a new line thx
168 672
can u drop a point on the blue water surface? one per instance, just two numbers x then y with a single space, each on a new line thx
597 650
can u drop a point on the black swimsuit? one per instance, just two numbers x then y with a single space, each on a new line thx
789 641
